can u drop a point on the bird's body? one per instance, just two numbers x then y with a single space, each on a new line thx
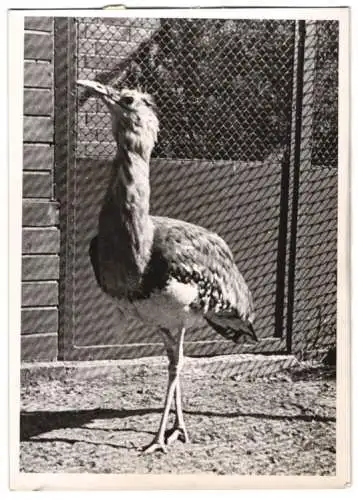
190 276
168 273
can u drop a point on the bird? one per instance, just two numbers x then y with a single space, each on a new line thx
169 274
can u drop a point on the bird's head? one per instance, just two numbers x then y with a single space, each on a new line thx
134 121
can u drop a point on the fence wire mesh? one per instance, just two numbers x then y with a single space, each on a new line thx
225 94
314 320
325 95
222 86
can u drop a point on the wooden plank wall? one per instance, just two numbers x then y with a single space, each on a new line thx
40 234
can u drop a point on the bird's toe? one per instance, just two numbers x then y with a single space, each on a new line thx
155 446
177 434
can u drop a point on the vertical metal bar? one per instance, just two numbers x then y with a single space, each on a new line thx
284 202
296 180
65 112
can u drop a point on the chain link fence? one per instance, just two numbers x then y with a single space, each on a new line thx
226 96
315 281
213 81
325 95
222 86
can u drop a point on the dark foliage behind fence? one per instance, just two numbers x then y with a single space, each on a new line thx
222 86
325 95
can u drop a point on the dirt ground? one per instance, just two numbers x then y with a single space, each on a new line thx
281 424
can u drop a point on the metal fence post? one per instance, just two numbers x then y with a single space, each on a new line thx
64 120
286 197
302 147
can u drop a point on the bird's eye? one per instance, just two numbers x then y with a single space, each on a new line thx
147 102
127 100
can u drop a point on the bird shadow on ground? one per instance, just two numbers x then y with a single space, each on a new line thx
35 423
73 441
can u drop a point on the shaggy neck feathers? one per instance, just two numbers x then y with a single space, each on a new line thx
133 138
125 227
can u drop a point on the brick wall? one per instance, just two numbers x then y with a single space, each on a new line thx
106 47
40 233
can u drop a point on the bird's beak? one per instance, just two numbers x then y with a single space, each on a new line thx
96 87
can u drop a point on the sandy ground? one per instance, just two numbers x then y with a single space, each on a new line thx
281 424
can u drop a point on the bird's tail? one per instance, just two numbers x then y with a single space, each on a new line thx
232 327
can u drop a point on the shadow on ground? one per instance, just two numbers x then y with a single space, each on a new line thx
314 373
39 422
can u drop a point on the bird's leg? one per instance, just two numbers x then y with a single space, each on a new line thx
178 430
175 365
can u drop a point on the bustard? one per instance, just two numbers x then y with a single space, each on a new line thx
166 272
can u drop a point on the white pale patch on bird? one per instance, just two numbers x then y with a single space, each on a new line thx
170 307
183 293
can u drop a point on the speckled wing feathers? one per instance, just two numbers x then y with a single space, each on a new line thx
192 254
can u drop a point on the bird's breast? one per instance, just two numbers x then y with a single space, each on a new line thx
169 307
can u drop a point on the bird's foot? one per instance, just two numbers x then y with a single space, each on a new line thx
155 445
177 433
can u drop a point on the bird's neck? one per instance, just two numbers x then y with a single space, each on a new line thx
125 227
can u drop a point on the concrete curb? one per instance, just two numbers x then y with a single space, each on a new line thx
240 365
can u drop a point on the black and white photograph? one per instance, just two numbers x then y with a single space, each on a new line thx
182 304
